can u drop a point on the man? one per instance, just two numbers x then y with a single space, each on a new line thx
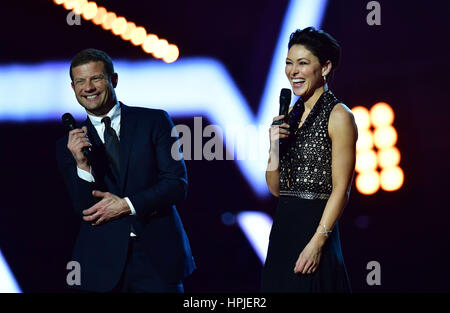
131 237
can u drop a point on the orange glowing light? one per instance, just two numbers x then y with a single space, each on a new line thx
126 35
150 42
388 157
368 183
138 36
381 114
69 4
365 140
161 49
79 6
90 11
119 25
362 117
392 178
109 20
172 54
375 149
385 137
100 16
366 160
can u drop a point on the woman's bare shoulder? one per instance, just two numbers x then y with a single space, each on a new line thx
341 120
341 114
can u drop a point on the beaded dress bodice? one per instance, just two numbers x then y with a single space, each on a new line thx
305 159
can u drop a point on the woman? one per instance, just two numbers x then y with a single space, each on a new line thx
311 171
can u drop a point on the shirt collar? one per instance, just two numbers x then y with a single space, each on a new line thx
113 114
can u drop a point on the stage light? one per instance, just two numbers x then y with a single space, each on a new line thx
100 16
388 157
385 137
362 118
150 43
256 227
69 4
126 35
161 48
366 160
138 36
79 6
172 54
90 11
381 115
7 282
368 183
391 178
119 25
108 20
365 140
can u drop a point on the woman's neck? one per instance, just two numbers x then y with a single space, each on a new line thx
311 100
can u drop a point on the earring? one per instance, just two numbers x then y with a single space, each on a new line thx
325 86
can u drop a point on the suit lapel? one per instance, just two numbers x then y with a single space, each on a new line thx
127 129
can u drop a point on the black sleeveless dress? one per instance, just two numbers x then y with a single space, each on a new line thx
305 186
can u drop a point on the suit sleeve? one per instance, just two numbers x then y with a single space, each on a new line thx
80 191
172 178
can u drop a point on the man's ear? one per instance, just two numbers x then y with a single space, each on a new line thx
73 86
114 79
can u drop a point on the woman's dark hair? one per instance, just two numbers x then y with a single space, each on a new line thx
320 43
92 55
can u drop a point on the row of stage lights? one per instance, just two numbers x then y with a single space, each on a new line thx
119 26
377 158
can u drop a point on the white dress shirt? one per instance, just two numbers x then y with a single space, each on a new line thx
114 115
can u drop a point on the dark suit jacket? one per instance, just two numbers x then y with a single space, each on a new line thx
152 180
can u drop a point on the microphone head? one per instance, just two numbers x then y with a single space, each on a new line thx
285 95
285 101
68 121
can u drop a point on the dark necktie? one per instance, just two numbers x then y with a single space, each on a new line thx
112 145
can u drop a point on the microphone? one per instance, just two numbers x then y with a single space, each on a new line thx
285 101
70 124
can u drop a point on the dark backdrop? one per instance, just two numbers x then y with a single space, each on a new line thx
403 62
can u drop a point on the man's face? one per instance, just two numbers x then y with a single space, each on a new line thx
93 89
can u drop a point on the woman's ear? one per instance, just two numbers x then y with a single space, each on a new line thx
326 68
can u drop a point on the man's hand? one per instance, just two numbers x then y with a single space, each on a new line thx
77 141
109 208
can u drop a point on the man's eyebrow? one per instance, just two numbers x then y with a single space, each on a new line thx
93 76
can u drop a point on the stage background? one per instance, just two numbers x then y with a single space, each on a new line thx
404 62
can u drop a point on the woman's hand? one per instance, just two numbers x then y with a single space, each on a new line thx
278 132
309 259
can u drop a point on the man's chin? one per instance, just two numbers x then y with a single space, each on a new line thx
94 109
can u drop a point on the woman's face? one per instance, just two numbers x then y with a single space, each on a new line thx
303 71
